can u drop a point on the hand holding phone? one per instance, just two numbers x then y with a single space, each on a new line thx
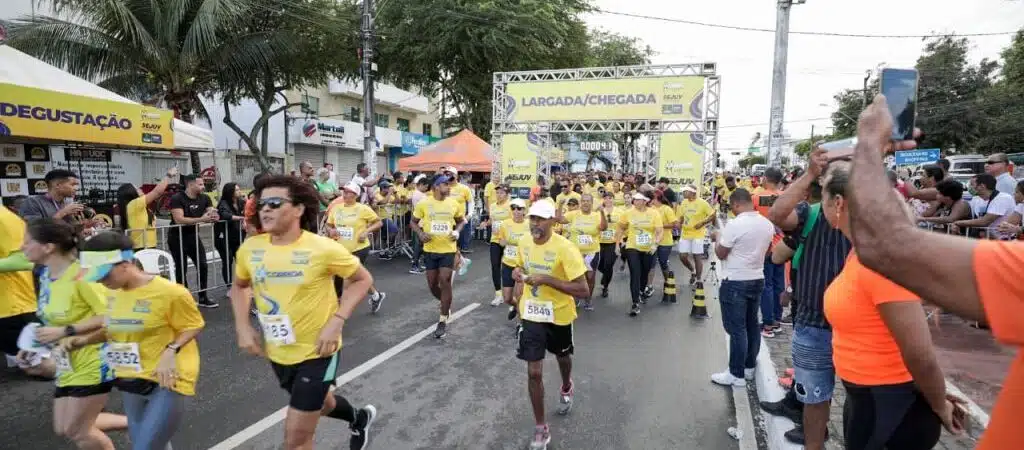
899 86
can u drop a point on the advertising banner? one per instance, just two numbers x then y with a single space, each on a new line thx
913 157
519 162
39 113
413 142
663 98
681 159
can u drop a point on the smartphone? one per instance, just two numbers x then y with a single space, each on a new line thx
899 86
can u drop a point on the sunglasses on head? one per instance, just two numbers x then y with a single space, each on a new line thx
272 202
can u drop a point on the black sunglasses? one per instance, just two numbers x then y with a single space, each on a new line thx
272 202
996 162
517 208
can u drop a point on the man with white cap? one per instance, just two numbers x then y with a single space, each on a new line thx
549 272
351 224
695 215
437 222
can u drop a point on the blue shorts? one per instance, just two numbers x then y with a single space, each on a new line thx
814 374
506 276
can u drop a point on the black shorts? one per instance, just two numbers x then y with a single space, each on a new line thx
362 255
434 261
595 262
83 391
506 276
308 382
536 338
10 329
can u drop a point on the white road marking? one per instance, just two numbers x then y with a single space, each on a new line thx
264 424
744 417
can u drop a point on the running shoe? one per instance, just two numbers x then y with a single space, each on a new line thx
565 399
361 427
648 292
634 310
777 328
604 291
588 305
693 279
416 270
541 438
441 330
512 312
788 320
498 299
464 267
375 301
767 332
205 302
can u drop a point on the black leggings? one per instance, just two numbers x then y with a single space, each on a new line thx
607 263
497 251
185 245
888 417
639 266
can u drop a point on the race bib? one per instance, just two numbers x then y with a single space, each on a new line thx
124 356
539 311
346 233
277 329
511 252
643 239
607 235
440 228
585 239
62 360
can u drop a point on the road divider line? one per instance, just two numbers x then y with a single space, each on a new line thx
264 424
744 416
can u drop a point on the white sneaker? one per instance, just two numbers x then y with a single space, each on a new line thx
726 379
498 299
748 374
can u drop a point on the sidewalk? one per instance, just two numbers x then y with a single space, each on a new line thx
781 359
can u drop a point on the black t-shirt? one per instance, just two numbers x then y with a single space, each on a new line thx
192 207
670 196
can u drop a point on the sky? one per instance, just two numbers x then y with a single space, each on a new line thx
818 66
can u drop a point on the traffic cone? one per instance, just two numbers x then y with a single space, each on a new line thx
669 290
700 309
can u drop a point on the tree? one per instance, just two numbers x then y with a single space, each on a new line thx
803 148
750 160
613 49
1003 103
851 103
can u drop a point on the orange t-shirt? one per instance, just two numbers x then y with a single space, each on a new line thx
863 348
997 268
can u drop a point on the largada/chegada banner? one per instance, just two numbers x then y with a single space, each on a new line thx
43 114
519 162
681 159
662 98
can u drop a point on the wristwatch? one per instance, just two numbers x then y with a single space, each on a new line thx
69 330
173 346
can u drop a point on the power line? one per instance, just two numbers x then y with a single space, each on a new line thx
810 33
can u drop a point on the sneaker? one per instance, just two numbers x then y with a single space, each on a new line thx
441 330
375 301
647 292
796 435
634 310
565 399
782 408
693 279
604 291
767 332
416 270
466 251
541 438
788 320
498 299
777 328
205 302
748 374
361 427
512 312
726 379
588 305
464 267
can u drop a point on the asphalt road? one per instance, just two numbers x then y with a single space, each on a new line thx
642 383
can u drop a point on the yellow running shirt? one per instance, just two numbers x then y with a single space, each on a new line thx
463 194
560 259
512 232
62 302
498 215
140 324
619 199
438 218
640 228
563 198
693 212
668 216
351 221
608 235
293 289
137 218
584 230
19 292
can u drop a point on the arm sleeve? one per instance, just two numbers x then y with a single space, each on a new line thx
881 289
95 295
572 262
15 262
184 314
340 261
242 261
224 210
177 202
30 209
997 275
419 212
370 216
730 234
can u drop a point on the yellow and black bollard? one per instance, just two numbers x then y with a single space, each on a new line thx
700 309
669 292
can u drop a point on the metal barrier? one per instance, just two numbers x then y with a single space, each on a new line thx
988 233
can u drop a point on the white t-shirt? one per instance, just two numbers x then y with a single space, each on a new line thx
1006 184
417 196
748 237
365 196
1002 205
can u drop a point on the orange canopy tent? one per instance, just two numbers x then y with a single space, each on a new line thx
464 150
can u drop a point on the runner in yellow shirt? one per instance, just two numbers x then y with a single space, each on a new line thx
437 221
18 307
668 223
583 228
724 193
352 224
642 228
151 326
695 214
609 247
551 272
509 234
499 213
71 310
289 272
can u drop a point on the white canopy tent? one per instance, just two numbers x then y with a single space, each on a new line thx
20 69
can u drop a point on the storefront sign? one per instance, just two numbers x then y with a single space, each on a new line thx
663 98
43 114
681 159
102 170
519 162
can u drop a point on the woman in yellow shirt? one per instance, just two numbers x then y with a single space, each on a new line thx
499 212
609 247
352 224
133 206
583 227
152 324
669 222
642 229
509 235
71 310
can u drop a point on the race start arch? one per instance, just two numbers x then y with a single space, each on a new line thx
675 106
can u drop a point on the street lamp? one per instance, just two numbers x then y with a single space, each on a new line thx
840 112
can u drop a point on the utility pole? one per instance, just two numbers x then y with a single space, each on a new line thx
779 81
367 67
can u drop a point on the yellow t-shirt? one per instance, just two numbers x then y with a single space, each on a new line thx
19 293
438 219
560 259
489 194
64 301
608 235
668 216
463 194
499 214
584 230
402 197
512 232
640 226
619 199
588 189
293 289
351 221
563 199
140 324
615 187
693 212
137 218
386 210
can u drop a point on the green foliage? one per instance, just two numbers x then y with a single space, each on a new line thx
803 148
613 49
1003 103
750 160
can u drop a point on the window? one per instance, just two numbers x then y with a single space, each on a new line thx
427 129
381 120
354 115
402 124
310 105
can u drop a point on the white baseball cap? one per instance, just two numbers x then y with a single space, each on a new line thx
544 210
689 188
639 196
518 202
353 187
